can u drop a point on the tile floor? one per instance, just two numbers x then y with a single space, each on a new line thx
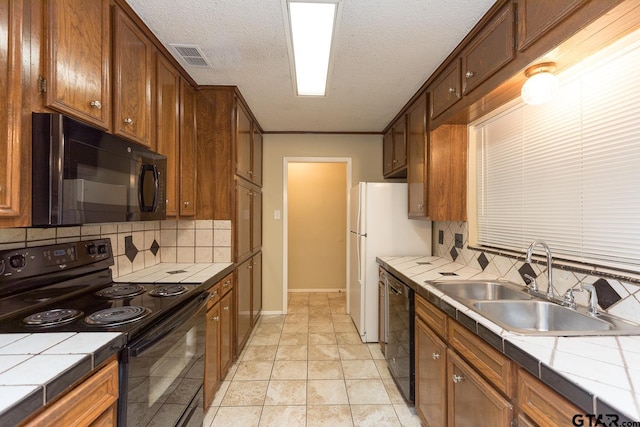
309 368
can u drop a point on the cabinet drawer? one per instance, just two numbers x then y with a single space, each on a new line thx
489 51
226 284
490 363
543 405
445 90
214 295
94 400
435 318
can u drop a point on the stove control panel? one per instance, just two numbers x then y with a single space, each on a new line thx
37 260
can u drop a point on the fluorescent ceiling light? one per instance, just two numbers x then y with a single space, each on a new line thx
312 29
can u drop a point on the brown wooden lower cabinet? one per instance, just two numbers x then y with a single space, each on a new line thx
544 406
431 376
471 400
219 337
94 402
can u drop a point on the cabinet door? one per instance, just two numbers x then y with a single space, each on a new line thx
133 73
431 381
471 400
243 304
187 149
445 90
387 153
256 287
226 332
543 405
167 132
256 157
244 194
211 355
537 17
416 162
243 143
400 144
11 155
447 173
490 50
256 219
78 45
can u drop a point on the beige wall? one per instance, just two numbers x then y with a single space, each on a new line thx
366 154
317 226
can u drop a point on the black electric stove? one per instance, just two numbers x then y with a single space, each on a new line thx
69 288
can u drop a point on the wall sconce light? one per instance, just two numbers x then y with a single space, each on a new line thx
541 84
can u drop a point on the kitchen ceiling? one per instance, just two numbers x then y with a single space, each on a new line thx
384 52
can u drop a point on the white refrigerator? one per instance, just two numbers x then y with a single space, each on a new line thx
378 226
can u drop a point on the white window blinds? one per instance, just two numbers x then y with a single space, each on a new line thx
567 172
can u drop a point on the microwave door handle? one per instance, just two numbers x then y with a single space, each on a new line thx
143 170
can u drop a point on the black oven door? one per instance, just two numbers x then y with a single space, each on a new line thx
162 372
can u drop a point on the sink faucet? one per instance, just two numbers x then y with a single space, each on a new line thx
549 261
592 306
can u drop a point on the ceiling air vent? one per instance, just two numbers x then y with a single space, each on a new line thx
191 54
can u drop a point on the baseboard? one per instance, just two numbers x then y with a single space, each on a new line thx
269 313
340 290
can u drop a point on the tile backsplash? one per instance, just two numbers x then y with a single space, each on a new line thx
618 292
137 245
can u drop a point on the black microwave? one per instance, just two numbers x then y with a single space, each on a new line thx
84 175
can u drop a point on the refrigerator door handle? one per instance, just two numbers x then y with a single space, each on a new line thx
360 250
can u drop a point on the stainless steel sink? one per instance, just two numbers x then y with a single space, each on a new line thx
546 318
483 290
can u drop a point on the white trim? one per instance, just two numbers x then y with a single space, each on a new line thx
332 290
285 216
271 313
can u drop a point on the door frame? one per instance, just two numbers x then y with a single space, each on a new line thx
285 217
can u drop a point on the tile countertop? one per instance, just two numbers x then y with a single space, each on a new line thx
166 272
600 374
36 368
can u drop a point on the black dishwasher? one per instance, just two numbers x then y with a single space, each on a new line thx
400 333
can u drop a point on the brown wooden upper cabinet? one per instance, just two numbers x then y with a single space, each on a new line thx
249 148
417 143
445 89
133 76
537 17
167 127
394 150
188 171
77 60
447 180
489 50
13 183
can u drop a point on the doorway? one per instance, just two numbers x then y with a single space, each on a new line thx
315 218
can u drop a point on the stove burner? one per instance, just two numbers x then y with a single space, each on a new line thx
121 291
53 317
42 295
168 291
117 316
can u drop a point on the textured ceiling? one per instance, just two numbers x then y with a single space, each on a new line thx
385 50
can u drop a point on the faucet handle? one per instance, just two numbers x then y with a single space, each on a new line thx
592 307
568 300
533 284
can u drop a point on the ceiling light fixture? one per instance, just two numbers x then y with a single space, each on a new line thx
541 84
311 29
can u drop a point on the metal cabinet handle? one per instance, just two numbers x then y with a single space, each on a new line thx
128 121
186 204
250 266
213 295
457 378
226 284
250 172
452 90
435 356
216 318
226 308
96 104
469 74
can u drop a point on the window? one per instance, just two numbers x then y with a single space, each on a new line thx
567 172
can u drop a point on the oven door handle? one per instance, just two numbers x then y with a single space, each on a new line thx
168 326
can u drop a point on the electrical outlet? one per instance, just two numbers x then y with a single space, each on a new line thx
441 237
458 241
